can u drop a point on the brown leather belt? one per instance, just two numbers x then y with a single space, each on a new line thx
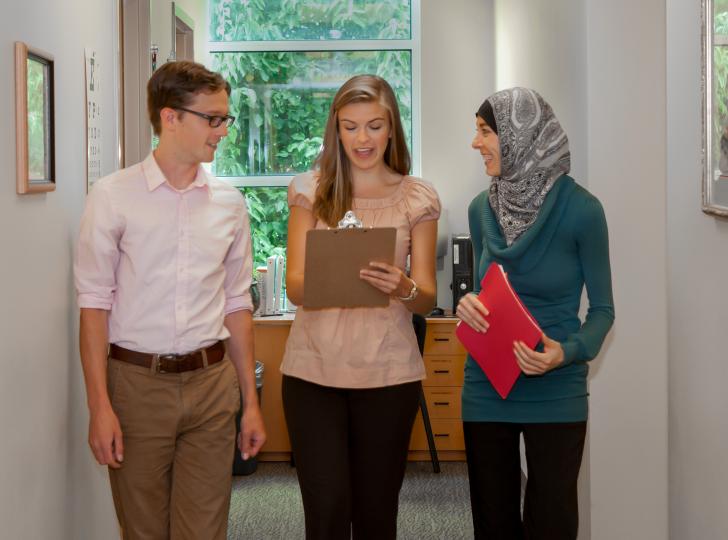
170 363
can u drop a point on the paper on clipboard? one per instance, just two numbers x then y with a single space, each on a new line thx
334 258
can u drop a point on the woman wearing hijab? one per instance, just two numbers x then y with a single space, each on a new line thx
550 236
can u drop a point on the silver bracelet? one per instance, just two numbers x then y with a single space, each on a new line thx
412 294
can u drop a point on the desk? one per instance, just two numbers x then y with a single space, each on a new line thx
444 360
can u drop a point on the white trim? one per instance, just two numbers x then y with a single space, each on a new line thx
416 70
296 46
257 181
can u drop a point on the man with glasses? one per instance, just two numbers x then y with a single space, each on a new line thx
163 272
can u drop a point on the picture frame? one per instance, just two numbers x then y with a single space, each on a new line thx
35 154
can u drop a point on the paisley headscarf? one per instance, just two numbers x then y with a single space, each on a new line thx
534 153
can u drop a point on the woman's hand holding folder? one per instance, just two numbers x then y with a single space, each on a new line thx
537 363
472 311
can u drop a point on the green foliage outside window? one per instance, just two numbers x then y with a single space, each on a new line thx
268 212
263 20
281 101
281 98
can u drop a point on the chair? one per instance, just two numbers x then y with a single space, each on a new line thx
420 326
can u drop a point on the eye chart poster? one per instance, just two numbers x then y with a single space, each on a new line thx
93 119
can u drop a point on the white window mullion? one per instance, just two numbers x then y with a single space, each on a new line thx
303 46
257 181
414 45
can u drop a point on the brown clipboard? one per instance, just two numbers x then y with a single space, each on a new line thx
334 258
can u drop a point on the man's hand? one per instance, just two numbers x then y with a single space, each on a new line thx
538 363
105 439
252 433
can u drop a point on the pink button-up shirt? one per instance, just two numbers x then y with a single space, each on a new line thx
167 264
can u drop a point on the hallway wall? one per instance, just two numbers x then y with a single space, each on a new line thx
47 477
697 263
610 95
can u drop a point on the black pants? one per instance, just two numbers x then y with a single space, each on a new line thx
350 448
553 456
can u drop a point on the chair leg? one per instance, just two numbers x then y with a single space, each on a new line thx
428 432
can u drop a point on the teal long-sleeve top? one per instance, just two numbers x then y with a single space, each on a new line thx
566 249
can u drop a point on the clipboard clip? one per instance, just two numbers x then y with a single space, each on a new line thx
350 221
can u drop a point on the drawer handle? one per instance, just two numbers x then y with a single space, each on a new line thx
446 403
442 371
442 339
442 434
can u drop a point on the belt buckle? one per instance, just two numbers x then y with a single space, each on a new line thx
160 358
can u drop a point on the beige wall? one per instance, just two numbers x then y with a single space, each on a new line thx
49 487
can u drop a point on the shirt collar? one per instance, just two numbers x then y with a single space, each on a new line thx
155 177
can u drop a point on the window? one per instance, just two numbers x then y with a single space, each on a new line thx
285 60
268 212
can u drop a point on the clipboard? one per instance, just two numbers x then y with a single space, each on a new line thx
334 258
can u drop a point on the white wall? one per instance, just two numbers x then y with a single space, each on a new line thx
697 265
458 73
540 45
602 67
550 57
627 159
48 483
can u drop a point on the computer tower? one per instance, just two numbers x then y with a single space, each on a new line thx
462 267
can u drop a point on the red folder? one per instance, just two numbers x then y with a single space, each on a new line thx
509 321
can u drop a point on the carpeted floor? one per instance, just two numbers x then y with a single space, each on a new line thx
267 504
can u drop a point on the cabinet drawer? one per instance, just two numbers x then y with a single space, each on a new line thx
444 370
441 339
448 435
443 402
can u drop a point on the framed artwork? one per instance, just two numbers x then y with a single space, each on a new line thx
35 155
715 107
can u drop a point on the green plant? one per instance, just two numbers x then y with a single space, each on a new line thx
281 98
268 213
241 20
281 101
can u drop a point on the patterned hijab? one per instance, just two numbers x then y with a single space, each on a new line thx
534 153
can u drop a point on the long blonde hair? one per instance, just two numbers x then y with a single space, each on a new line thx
334 191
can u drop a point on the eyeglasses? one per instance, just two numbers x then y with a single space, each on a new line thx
214 121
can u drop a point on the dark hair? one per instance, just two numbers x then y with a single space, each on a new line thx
334 191
175 84
486 113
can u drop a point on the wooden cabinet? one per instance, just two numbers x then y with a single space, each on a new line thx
444 358
271 334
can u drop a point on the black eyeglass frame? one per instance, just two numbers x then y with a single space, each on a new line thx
214 121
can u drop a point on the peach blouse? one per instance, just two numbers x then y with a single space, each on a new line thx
362 347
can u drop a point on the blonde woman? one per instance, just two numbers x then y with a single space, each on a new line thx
352 376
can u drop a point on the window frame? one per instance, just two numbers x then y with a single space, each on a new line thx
413 45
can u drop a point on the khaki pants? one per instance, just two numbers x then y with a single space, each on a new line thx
179 437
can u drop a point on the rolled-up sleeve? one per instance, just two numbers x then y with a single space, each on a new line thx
239 268
97 252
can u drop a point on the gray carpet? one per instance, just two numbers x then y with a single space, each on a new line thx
267 504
